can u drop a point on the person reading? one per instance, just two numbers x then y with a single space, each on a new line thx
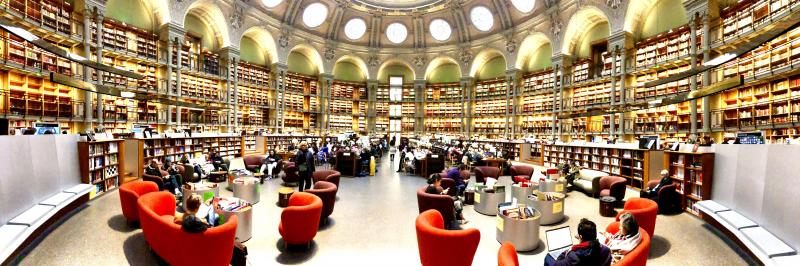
195 219
626 239
455 174
270 163
170 183
653 192
435 187
216 159
588 252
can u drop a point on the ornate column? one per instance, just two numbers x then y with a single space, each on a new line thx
613 117
419 90
172 34
280 71
372 88
693 79
230 61
705 42
98 96
87 72
511 102
467 85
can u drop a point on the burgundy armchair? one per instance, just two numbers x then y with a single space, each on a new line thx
613 186
326 191
668 198
483 172
155 179
291 173
332 176
451 184
253 162
521 173
441 203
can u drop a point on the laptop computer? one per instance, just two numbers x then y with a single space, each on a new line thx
558 240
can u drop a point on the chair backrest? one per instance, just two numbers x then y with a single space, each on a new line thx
608 181
644 210
507 255
483 172
637 256
449 183
441 203
139 188
432 238
326 191
520 169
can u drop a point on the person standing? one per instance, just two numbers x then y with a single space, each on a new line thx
304 160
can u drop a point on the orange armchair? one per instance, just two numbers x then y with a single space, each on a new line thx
637 256
300 221
129 193
483 172
507 256
176 247
442 203
327 175
432 237
644 210
326 191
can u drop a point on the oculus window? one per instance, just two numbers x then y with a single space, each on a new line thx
396 32
314 15
440 29
355 28
481 18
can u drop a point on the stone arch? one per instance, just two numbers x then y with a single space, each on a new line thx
213 17
395 61
530 44
579 23
483 57
356 60
438 61
264 39
311 53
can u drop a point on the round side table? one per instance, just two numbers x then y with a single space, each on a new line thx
607 206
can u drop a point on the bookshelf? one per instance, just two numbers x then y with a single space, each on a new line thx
538 103
511 148
56 15
539 81
774 57
580 71
444 109
492 107
444 92
537 124
762 105
673 118
249 141
33 97
101 164
141 151
745 16
302 102
590 94
443 125
25 56
407 123
608 63
197 87
668 46
281 142
491 88
146 69
129 40
489 125
635 165
693 174
252 75
382 93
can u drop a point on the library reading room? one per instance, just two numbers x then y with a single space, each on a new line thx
220 132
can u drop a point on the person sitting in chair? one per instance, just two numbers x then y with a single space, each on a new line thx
270 163
588 252
216 160
435 187
626 239
653 193
171 184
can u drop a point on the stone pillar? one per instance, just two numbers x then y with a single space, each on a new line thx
613 117
230 60
693 79
372 88
178 81
172 35
467 85
706 75
87 72
98 96
280 70
512 80
419 90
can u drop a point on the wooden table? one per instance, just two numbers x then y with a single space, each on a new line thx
607 206
284 194
346 163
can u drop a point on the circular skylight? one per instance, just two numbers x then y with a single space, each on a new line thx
440 29
355 28
271 3
523 6
481 18
396 32
315 14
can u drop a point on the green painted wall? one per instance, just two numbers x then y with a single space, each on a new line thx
252 52
299 63
445 73
541 58
197 26
495 67
396 69
598 32
348 72
665 15
132 12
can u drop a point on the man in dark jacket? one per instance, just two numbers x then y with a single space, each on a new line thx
304 160
588 252
653 193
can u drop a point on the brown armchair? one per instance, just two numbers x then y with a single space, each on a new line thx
291 173
483 172
155 179
441 203
253 162
332 176
189 176
451 184
668 198
327 192
613 186
520 172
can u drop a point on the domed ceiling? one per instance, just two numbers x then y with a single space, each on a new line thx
402 23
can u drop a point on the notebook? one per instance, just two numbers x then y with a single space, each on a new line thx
558 240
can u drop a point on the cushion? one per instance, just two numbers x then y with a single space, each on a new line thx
32 215
736 220
767 242
80 189
8 235
58 199
590 174
712 206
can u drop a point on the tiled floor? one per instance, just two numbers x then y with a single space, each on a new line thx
372 224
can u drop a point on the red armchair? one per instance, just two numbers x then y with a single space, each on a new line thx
326 191
613 186
300 221
432 237
507 255
327 175
644 210
129 193
521 173
291 173
637 256
176 247
668 199
483 172
441 203
253 162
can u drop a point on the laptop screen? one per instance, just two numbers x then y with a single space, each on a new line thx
558 238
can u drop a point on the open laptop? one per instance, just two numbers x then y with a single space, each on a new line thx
558 240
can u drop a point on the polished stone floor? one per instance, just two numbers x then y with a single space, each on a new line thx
372 224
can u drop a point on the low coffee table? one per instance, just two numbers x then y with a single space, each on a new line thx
217 177
607 206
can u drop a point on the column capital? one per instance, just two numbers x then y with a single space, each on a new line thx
513 73
172 30
420 82
620 40
326 76
280 66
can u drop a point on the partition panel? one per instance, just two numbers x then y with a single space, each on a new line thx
16 190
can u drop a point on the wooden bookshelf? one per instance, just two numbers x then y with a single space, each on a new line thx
491 88
772 58
608 63
36 97
511 148
693 175
198 87
492 107
252 74
580 70
745 16
539 81
537 124
665 47
589 95
672 118
161 149
444 92
443 125
18 53
302 102
102 164
636 165
492 126
538 103
129 40
281 142
56 15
